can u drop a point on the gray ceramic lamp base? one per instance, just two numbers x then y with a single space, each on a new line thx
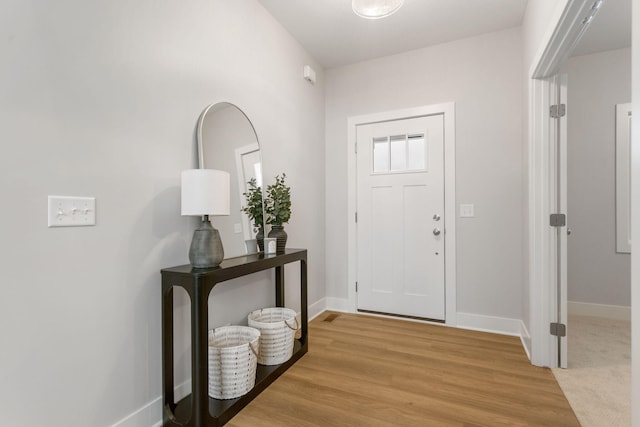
206 249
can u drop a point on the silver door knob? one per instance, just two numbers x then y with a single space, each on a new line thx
568 232
436 231
436 217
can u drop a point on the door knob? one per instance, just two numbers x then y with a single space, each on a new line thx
436 231
568 232
436 217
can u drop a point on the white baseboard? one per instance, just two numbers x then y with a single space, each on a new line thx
339 304
618 312
315 309
148 415
525 338
151 413
498 325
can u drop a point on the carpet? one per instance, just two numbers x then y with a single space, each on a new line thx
597 381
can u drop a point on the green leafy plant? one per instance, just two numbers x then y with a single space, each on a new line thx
254 209
278 202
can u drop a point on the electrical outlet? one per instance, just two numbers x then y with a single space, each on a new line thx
67 211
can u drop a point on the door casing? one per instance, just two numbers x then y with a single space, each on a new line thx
542 195
448 111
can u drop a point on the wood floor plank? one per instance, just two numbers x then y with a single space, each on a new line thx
373 371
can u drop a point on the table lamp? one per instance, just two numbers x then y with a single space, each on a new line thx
205 192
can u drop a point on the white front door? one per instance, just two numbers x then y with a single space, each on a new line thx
400 210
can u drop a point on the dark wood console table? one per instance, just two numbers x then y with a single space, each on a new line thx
198 409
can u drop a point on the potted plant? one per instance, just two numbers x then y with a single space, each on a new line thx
255 210
278 210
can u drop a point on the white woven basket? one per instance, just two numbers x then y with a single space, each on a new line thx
233 352
277 327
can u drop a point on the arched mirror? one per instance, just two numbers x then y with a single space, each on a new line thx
227 141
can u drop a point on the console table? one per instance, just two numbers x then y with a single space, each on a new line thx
198 409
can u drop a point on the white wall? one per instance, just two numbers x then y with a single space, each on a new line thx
597 82
101 99
483 76
635 220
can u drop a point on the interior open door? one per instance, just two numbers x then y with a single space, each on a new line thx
559 218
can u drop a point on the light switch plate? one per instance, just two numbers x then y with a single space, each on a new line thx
65 211
466 211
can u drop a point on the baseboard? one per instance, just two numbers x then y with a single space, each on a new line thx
617 312
525 338
145 416
315 309
477 322
339 304
498 325
151 413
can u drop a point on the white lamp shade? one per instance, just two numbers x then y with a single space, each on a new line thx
205 192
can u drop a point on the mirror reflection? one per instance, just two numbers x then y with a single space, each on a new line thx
227 141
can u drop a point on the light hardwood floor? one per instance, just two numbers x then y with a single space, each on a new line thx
371 371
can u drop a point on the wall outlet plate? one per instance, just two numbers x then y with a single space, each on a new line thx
467 211
65 211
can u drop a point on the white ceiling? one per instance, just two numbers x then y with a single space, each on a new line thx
610 29
335 36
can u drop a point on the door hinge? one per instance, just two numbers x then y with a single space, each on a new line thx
558 110
356 287
558 330
356 217
355 148
558 220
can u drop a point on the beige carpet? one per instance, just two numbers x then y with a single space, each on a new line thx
597 382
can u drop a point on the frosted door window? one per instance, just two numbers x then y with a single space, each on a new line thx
416 152
399 153
380 155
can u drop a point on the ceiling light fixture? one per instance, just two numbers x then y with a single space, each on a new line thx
375 9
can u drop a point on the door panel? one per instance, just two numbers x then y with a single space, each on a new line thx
382 219
562 234
558 151
400 192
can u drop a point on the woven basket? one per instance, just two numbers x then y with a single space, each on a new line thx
277 327
233 352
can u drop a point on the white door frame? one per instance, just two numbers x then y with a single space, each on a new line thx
542 193
448 110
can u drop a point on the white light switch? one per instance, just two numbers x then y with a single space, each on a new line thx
67 211
466 211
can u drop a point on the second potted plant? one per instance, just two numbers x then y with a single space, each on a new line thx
278 210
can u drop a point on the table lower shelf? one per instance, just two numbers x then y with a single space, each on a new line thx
221 411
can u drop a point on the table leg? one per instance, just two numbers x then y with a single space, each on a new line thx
168 398
279 286
303 299
199 356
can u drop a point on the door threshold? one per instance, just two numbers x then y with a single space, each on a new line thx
403 316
